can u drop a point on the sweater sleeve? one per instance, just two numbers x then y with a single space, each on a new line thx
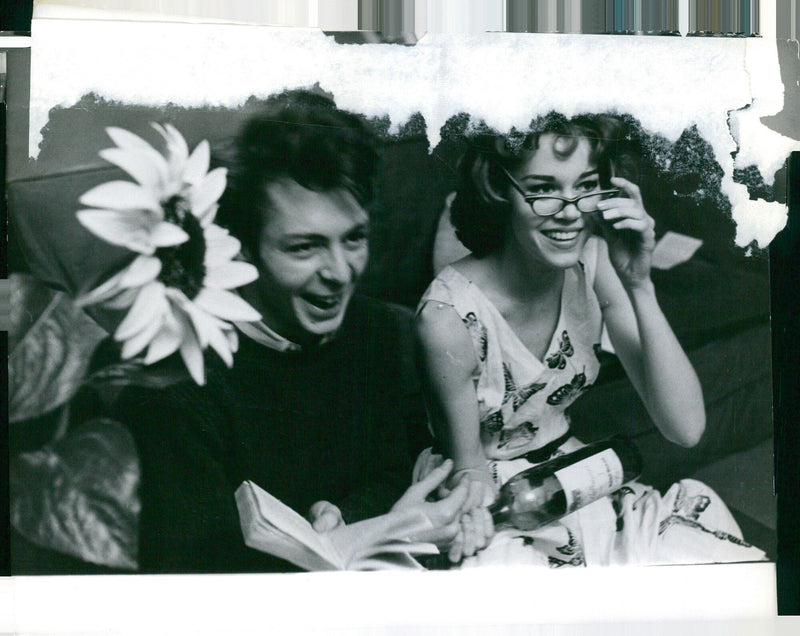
188 520
395 414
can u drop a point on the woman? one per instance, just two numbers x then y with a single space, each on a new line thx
561 244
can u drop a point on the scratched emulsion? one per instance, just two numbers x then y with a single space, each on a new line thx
696 97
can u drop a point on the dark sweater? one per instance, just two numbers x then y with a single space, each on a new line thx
337 422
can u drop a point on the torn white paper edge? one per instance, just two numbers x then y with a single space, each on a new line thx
506 79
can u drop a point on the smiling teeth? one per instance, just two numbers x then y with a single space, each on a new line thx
559 235
323 302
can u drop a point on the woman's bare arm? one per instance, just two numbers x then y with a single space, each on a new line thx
449 364
651 354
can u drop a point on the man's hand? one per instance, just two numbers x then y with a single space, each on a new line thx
445 514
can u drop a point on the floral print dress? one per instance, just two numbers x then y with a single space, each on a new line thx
522 408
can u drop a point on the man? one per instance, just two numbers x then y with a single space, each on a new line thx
317 407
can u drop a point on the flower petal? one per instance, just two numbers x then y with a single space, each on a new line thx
167 234
142 166
127 140
220 248
102 292
122 300
233 340
225 305
219 343
127 229
193 357
207 217
167 341
202 321
150 305
230 275
206 193
122 195
197 164
140 340
176 142
214 232
143 270
177 150
210 331
176 154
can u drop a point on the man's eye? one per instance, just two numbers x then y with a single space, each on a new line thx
356 240
300 248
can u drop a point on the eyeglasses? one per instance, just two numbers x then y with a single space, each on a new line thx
549 204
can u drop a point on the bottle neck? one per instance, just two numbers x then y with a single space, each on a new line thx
501 513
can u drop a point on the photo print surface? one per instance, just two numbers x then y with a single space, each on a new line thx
687 140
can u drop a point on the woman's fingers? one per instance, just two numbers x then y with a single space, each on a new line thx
628 187
636 225
625 214
455 551
455 502
488 523
470 535
476 494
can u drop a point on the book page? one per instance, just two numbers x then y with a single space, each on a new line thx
273 527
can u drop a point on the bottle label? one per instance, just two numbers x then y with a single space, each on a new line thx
590 479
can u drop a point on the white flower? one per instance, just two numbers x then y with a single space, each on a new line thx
177 288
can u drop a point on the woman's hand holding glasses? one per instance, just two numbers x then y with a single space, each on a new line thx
630 233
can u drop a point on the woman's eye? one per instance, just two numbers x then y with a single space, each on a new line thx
541 188
589 186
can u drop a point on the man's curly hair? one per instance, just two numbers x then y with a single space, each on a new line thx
300 135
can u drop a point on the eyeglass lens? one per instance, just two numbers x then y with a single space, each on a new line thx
548 206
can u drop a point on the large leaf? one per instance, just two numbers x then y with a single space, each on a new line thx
51 342
80 495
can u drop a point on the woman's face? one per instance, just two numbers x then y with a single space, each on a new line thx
556 241
313 250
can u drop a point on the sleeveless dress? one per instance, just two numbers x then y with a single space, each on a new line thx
522 408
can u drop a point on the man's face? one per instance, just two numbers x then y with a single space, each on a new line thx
312 251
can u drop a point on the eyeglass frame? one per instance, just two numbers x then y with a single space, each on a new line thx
530 199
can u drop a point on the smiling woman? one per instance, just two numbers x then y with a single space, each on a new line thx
511 333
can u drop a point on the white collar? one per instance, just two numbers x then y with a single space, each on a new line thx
271 339
262 334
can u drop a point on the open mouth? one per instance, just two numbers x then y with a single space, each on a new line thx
561 236
323 302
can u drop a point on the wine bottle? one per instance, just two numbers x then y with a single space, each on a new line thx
548 491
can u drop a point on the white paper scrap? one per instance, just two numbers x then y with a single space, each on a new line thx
674 249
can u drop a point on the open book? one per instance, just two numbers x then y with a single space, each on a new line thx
380 543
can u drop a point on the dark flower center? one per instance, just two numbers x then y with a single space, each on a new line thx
183 266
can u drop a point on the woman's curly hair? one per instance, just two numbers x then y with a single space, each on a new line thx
480 210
